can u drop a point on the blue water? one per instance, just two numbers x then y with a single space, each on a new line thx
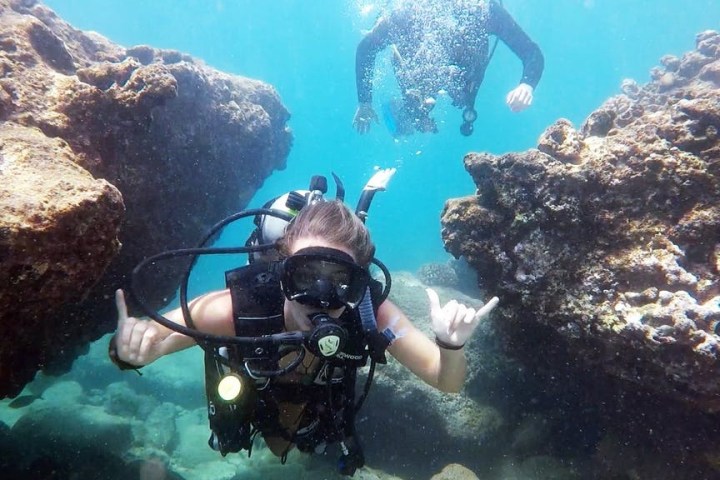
306 50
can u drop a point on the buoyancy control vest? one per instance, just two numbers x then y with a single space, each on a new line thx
328 392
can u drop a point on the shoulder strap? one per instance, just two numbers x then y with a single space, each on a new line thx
376 290
376 341
257 299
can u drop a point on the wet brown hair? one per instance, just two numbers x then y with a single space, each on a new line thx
332 221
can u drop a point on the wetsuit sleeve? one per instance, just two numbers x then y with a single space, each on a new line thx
368 48
501 24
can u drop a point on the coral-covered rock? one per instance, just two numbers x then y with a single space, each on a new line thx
441 274
103 146
452 425
455 471
58 234
563 142
610 235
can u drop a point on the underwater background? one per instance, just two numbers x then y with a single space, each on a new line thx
306 50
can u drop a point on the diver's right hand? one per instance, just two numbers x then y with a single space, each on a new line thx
137 342
520 97
364 116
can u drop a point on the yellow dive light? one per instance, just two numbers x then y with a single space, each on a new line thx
230 387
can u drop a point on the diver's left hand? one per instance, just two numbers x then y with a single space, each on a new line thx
520 98
364 117
455 323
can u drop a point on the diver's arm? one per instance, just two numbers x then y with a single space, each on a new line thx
501 23
138 342
440 368
368 48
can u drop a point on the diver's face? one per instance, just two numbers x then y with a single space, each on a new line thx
297 315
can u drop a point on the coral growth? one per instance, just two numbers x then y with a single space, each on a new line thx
102 146
610 234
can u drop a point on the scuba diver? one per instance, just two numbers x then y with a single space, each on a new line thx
441 46
284 340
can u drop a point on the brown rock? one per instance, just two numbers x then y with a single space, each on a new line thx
711 73
573 236
561 141
50 47
58 234
670 62
83 121
599 123
143 53
106 74
455 471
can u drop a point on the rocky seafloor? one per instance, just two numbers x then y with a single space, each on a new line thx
118 425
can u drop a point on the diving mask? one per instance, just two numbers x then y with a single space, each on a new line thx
324 278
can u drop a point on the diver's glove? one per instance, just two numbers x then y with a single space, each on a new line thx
364 116
520 97
455 323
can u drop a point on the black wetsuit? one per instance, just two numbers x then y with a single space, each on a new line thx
444 50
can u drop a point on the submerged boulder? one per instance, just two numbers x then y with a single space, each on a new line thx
109 155
613 240
604 247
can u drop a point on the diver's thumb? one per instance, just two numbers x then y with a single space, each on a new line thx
434 300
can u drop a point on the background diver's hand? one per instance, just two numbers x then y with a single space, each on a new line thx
364 116
520 98
455 323
138 342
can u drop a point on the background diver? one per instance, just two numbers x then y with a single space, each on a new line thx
440 46
320 291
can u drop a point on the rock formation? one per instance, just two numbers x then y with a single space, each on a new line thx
604 247
423 427
109 155
610 235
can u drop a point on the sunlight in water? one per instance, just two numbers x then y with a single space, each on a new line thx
366 10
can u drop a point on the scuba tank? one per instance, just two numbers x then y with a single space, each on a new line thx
270 229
